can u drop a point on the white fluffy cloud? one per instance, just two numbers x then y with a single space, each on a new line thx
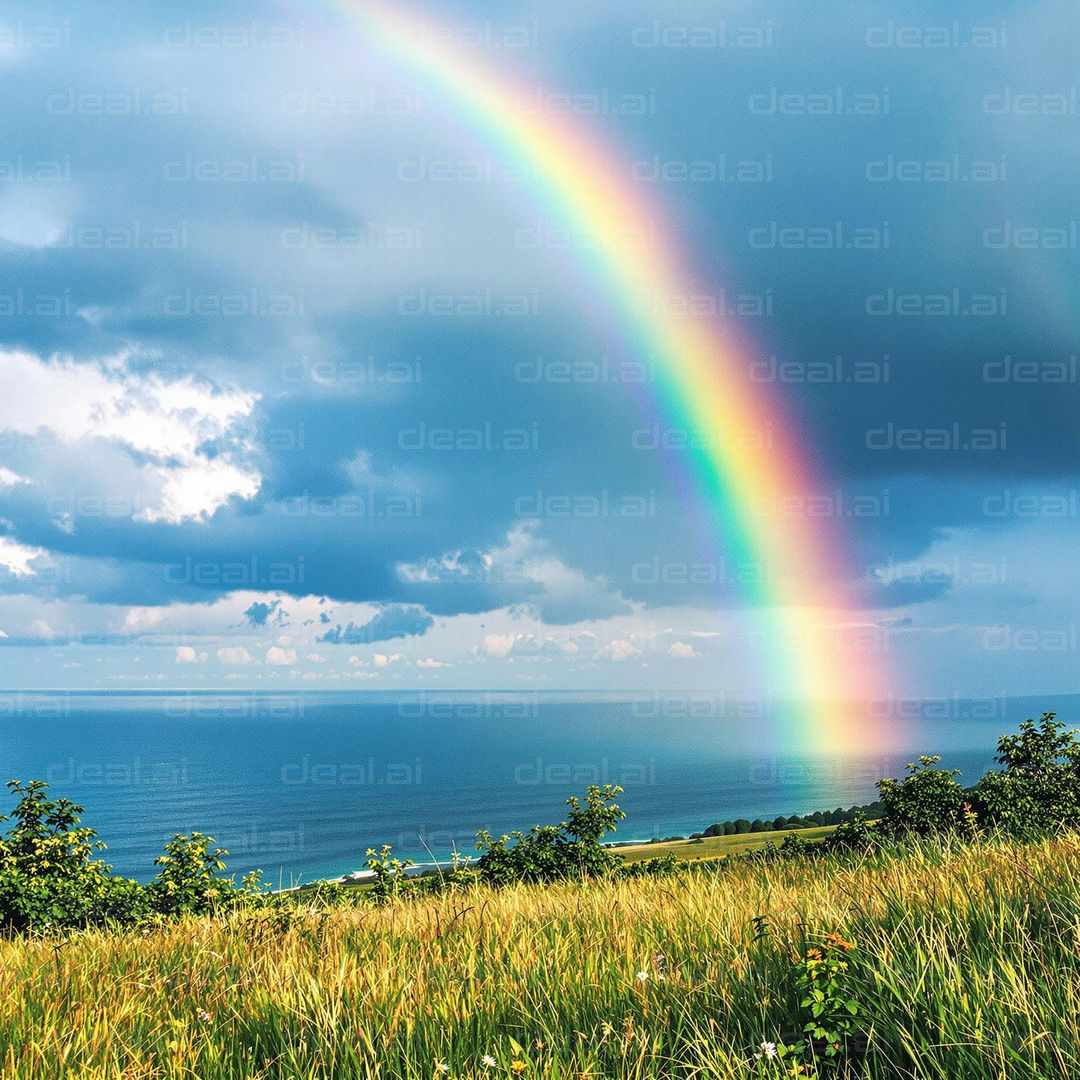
197 489
185 654
234 654
498 645
525 565
140 619
385 659
10 479
17 557
680 650
618 651
276 656
167 424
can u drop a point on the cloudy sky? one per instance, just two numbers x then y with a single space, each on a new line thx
247 269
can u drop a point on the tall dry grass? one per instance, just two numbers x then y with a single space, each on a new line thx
968 965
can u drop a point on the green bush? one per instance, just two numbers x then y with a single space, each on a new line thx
1038 788
553 852
663 866
49 876
389 875
854 835
831 1012
189 882
926 801
795 845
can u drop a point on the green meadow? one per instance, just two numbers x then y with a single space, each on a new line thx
966 965
716 847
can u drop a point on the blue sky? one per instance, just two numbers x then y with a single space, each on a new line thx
245 272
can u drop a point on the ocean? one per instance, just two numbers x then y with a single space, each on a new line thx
301 784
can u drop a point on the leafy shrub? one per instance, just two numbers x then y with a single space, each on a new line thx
795 846
121 901
832 1012
553 852
389 878
48 874
855 835
188 882
1039 787
662 866
926 801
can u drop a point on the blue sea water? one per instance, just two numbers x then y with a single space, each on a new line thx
301 784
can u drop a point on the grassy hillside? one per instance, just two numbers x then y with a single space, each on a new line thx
966 965
710 847
715 847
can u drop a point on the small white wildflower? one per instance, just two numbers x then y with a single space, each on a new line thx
442 1067
488 1061
768 1050
642 976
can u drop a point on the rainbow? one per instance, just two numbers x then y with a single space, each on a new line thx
835 667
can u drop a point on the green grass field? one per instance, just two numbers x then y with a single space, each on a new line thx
966 967
715 847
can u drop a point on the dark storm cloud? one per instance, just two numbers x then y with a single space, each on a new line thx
404 414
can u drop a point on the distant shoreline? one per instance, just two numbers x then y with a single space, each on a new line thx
434 866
